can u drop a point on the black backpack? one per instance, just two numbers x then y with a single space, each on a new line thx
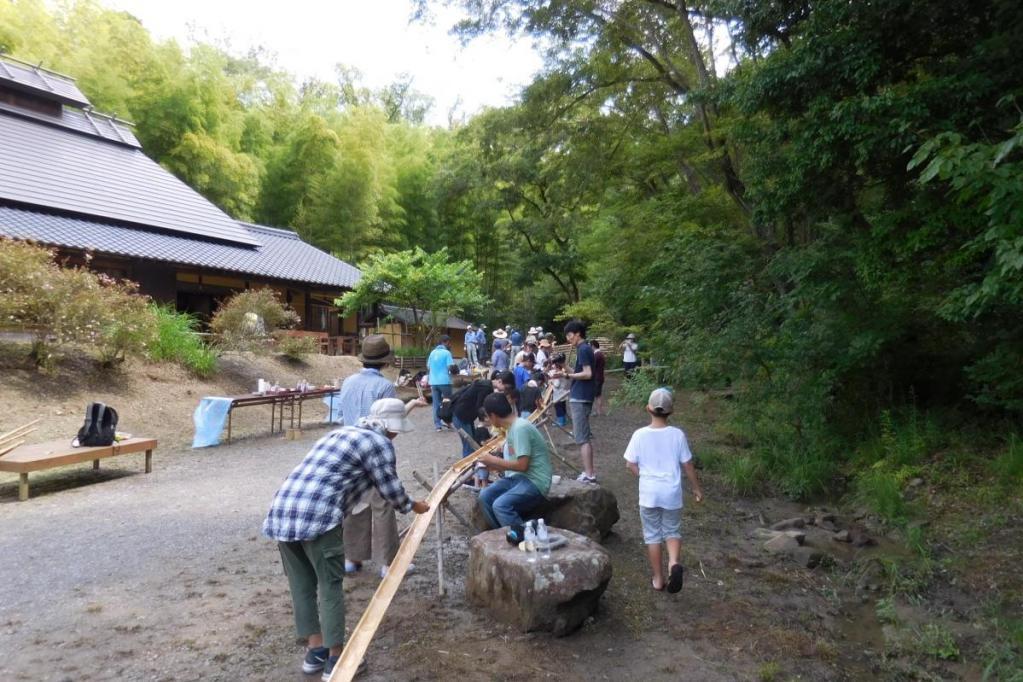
99 427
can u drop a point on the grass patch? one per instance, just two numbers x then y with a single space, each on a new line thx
880 490
1007 468
769 672
743 474
936 641
177 341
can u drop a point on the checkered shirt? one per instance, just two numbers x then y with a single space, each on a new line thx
335 474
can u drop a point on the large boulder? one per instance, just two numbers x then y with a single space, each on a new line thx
583 508
555 594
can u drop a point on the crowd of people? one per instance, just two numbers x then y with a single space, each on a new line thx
336 510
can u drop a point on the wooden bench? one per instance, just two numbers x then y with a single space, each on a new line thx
57 453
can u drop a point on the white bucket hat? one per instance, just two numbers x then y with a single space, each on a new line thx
391 412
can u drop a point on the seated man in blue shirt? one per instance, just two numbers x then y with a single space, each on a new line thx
306 514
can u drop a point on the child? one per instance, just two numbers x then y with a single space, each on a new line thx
555 369
531 395
657 454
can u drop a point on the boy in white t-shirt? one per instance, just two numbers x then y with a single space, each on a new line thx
657 454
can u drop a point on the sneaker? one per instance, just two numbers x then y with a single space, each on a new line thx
439 429
352 566
314 659
585 478
328 668
411 569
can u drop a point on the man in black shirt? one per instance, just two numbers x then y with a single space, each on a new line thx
465 407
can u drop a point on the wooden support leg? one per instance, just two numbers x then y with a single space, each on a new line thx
149 461
439 518
273 415
22 487
229 412
95 465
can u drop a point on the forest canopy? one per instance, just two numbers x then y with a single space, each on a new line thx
816 206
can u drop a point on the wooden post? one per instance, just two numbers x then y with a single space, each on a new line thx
95 465
229 412
22 487
149 461
440 539
454 512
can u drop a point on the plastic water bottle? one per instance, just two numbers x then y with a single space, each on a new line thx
543 540
530 542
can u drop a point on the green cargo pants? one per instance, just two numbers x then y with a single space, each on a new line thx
317 566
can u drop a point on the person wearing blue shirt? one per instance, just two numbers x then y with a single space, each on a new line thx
470 346
440 381
516 342
523 371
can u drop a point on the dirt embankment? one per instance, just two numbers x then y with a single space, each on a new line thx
151 399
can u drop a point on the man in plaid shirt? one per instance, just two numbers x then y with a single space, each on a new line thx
306 517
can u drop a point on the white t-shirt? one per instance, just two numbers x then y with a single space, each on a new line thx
629 351
660 454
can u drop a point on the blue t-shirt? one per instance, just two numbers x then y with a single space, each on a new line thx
584 391
516 338
500 360
521 377
481 337
438 362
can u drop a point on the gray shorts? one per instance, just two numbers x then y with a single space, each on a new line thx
660 524
581 422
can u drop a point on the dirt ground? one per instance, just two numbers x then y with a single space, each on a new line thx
114 574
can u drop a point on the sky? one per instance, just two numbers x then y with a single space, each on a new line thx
308 37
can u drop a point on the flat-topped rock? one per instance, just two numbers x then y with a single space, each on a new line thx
556 594
583 508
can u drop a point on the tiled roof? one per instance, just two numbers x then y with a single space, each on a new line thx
81 121
51 167
406 315
282 254
39 81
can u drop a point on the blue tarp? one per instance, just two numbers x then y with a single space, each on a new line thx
209 420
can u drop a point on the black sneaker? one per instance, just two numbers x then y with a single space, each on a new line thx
314 659
328 668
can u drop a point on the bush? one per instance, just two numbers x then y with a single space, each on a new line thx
61 306
635 390
879 489
411 352
177 341
247 320
296 347
1008 466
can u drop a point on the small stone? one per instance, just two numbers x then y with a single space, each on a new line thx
782 544
916 482
807 556
787 524
841 536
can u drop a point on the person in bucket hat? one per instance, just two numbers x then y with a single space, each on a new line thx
370 527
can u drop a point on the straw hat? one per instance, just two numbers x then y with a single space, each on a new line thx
532 331
500 334
375 349
631 336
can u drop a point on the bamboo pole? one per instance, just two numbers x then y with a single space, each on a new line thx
439 519
19 432
365 629
429 486
4 449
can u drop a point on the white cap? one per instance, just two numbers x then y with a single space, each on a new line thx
391 411
661 402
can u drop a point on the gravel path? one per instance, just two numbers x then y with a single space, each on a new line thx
121 575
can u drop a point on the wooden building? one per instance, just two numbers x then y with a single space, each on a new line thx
78 181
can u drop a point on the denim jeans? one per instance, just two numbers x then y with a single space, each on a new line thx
439 394
467 429
505 500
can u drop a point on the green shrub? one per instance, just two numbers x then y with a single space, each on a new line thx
634 390
879 489
411 352
296 347
248 319
177 341
1008 466
61 306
